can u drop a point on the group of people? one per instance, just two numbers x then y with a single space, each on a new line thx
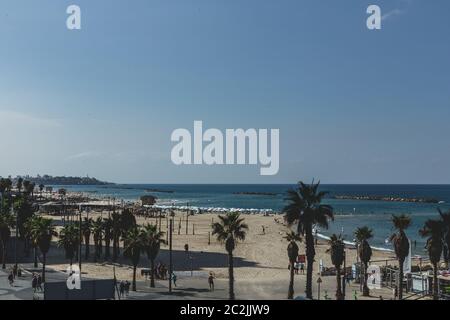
36 282
161 271
15 272
124 288
299 267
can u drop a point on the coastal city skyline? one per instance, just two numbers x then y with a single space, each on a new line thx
105 99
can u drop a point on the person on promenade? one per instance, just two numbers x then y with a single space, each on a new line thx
39 282
211 281
127 288
11 278
34 282
173 277
121 288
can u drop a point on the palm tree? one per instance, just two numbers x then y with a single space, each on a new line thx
107 229
6 222
41 188
69 239
43 230
134 244
19 184
305 208
337 253
362 236
26 186
445 217
433 230
31 236
229 229
4 185
292 251
97 230
116 233
86 228
401 246
153 239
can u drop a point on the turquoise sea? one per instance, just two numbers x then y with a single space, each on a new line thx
349 213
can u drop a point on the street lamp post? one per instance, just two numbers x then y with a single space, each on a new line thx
17 231
345 274
81 239
187 218
170 256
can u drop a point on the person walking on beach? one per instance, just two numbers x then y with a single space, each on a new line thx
211 281
263 230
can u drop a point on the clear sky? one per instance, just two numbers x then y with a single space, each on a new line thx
352 105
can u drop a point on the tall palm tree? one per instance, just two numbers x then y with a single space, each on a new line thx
86 228
445 217
292 251
304 208
401 246
230 229
108 235
337 253
6 222
69 239
26 186
41 188
362 236
433 230
44 230
4 184
19 184
153 239
32 237
117 231
97 230
134 244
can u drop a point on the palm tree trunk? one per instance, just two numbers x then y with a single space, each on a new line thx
435 282
95 250
446 255
134 278
152 273
114 257
44 260
86 251
231 275
35 257
366 291
3 255
291 281
310 253
400 280
338 287
107 243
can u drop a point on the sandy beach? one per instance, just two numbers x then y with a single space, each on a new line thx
260 261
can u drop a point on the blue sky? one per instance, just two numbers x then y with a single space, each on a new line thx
352 105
